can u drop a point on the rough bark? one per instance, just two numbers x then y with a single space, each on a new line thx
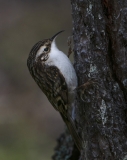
100 49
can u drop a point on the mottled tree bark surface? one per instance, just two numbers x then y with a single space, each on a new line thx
100 49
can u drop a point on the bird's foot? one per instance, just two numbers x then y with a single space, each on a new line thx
88 90
70 45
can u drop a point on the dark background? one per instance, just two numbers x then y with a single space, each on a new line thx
29 125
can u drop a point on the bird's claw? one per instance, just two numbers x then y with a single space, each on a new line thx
88 89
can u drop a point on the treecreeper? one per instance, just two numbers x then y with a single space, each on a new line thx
55 75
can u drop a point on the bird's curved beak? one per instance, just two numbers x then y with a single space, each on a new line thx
56 35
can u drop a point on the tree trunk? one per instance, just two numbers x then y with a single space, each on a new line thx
100 50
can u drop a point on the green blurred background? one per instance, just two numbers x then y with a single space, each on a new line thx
29 126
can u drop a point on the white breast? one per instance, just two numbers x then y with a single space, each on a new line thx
61 61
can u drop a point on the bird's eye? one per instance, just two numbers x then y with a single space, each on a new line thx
46 49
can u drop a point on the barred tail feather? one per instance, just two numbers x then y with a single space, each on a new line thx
71 127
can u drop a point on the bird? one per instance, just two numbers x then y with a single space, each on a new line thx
55 75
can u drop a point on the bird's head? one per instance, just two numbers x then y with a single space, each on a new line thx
41 50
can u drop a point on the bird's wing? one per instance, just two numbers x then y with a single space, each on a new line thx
57 92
